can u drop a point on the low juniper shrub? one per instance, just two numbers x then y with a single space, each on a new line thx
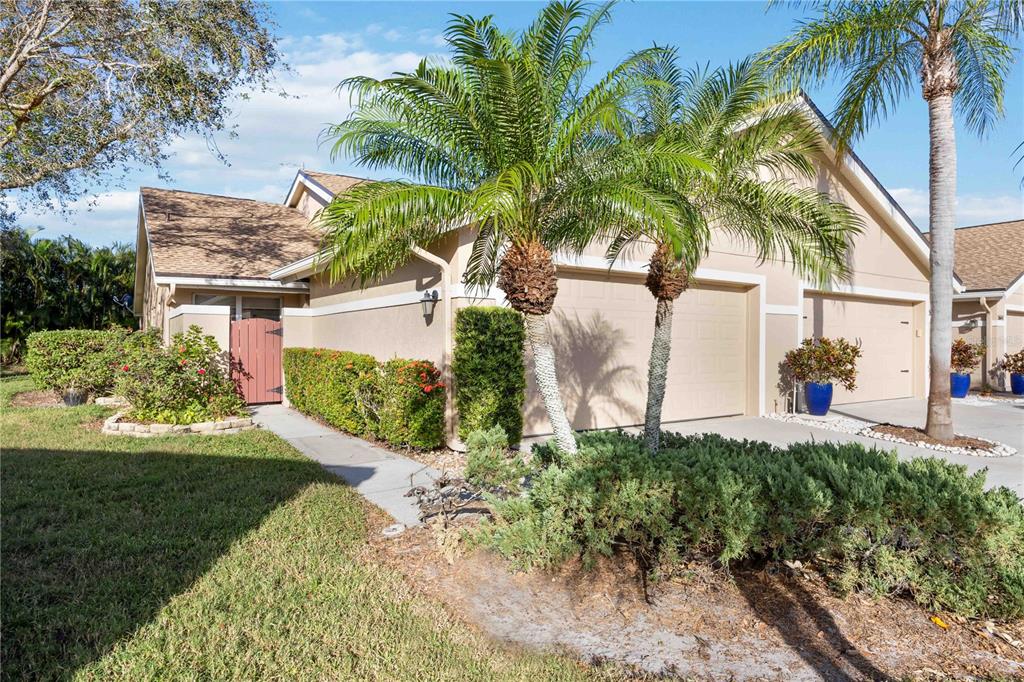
490 464
922 528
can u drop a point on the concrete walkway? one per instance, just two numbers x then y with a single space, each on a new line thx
377 474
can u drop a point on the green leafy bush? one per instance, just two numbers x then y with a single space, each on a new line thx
824 361
79 359
490 465
323 383
921 528
490 379
185 382
399 401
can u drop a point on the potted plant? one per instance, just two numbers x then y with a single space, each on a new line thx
817 363
1014 364
964 357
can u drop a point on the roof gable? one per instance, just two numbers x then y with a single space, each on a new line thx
209 235
990 257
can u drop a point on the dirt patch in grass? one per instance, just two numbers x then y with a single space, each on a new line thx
915 435
36 399
755 625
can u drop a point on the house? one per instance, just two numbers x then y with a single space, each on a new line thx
732 327
990 311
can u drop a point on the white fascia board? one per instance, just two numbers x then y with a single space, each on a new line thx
1015 284
300 268
973 295
868 292
193 309
303 181
230 283
391 301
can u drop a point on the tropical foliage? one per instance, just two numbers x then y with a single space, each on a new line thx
60 284
825 361
959 53
399 401
868 521
965 357
513 135
761 144
488 368
1013 362
93 88
185 382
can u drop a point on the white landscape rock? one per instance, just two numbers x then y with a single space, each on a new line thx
860 427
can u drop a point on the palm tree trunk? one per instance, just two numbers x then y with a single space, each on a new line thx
547 381
942 222
657 373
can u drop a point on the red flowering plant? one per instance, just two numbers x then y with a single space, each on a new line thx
185 382
825 361
410 399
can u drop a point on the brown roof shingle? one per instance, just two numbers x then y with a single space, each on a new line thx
332 182
990 256
210 235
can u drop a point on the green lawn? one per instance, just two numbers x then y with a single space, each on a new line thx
228 557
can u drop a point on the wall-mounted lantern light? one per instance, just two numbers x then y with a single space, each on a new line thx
428 302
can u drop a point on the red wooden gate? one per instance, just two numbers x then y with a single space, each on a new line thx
256 359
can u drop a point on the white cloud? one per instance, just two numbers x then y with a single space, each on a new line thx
273 137
971 209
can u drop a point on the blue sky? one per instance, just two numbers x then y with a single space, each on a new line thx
325 42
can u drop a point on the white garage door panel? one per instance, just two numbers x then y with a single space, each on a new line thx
602 328
886 332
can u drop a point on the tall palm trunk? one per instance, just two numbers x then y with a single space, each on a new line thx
939 83
547 381
657 373
527 276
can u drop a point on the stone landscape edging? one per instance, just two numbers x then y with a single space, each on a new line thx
113 426
859 427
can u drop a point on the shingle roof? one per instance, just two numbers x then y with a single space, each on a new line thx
332 182
990 256
210 235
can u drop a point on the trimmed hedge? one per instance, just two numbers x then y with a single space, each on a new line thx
80 359
922 528
399 401
489 371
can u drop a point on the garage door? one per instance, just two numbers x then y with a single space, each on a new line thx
1014 331
886 332
602 328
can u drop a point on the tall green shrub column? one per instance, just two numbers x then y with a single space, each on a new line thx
490 379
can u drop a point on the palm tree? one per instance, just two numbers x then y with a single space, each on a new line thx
759 142
959 52
506 137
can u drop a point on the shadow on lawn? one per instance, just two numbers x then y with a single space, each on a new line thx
95 543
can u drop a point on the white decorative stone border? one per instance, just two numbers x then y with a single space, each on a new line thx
858 427
115 427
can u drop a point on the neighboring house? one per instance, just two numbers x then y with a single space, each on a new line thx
990 310
731 331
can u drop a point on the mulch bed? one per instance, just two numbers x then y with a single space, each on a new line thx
772 624
915 435
37 399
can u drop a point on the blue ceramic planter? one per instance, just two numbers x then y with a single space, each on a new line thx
819 398
1017 383
959 384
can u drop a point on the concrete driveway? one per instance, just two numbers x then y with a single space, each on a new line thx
999 422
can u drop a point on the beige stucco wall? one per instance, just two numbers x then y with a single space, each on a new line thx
216 325
1000 330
